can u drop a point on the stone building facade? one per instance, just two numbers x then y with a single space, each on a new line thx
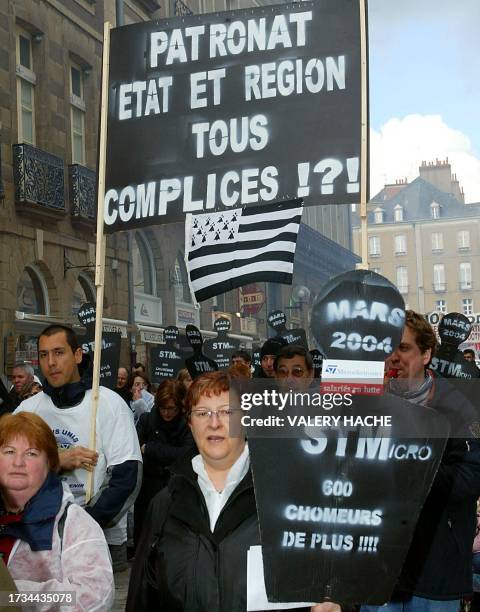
50 69
426 239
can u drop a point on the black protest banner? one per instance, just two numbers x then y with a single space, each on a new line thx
454 329
448 361
277 320
202 112
342 501
358 315
317 359
111 343
166 360
198 363
221 348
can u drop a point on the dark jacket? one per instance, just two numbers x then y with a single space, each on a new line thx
165 442
191 569
439 561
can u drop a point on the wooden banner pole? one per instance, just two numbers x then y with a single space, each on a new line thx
100 251
364 154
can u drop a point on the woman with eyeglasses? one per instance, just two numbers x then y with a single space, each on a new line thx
193 550
164 436
53 549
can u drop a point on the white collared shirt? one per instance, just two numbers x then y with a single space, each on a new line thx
215 500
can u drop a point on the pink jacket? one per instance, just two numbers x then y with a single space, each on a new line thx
82 564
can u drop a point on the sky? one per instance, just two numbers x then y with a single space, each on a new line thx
424 67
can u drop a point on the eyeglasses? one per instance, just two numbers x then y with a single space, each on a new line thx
295 372
222 414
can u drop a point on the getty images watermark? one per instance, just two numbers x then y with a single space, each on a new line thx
280 409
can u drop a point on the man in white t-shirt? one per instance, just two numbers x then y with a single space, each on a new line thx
65 404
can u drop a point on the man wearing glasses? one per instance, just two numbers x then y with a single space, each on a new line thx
294 365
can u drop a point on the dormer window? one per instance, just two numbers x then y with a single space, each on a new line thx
435 210
398 213
378 215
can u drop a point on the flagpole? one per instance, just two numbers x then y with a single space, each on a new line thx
364 136
100 252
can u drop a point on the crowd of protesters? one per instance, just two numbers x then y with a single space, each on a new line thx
165 456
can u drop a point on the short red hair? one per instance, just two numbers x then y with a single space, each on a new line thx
35 430
206 384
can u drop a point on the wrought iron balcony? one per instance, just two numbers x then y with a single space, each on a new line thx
39 178
82 192
439 287
465 285
181 9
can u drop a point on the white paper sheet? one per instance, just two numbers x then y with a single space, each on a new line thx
256 592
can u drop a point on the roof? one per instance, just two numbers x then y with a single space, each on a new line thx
416 199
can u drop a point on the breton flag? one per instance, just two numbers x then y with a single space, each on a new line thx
233 248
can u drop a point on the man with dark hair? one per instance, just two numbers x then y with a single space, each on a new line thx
268 352
138 368
469 355
241 356
294 364
437 572
65 404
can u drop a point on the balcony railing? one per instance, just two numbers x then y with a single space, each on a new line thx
403 289
465 285
181 9
439 287
82 192
39 178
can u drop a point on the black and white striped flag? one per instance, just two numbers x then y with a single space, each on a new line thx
234 248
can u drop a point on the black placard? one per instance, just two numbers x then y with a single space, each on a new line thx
454 328
344 502
87 315
358 315
111 344
277 320
166 360
221 348
317 359
202 111
198 363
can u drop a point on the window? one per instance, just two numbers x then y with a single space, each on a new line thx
182 289
463 240
218 302
439 277
376 270
400 244
32 293
437 241
435 210
441 306
143 266
84 291
465 275
374 245
402 279
77 101
467 304
398 213
378 215
26 81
